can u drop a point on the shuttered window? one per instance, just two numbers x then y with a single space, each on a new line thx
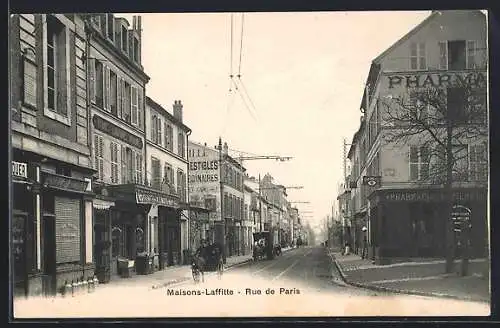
138 168
158 131
140 100
119 97
114 163
124 164
68 242
134 106
92 79
106 88
98 156
180 144
29 80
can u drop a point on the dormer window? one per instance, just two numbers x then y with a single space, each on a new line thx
111 27
124 39
136 49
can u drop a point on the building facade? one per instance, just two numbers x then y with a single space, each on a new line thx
116 84
395 190
204 194
166 173
51 162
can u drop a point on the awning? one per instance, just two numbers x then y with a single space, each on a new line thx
101 204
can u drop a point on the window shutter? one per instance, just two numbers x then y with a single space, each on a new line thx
140 100
132 168
96 152
165 128
101 161
29 85
124 164
131 44
119 96
92 79
159 139
106 89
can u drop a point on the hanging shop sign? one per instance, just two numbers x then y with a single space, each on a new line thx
474 79
117 132
150 197
20 170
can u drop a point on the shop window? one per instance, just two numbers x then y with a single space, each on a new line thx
460 163
117 241
478 162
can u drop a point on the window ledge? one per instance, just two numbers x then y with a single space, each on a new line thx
57 117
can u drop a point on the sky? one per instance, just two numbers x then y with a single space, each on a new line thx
304 75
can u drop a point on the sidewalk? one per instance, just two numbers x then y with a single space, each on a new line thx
170 275
420 277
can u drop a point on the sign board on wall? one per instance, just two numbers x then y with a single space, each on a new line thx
445 79
204 177
19 169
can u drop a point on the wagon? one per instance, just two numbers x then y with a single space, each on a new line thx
209 260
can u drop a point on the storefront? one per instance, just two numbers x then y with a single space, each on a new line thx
25 228
412 223
102 237
51 224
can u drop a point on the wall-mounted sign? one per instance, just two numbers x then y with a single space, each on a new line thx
474 79
150 197
433 195
62 182
20 169
117 132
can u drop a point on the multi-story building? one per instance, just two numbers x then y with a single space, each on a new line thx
216 184
204 194
232 174
394 195
276 195
116 99
166 171
51 165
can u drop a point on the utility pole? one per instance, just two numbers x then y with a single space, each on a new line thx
221 186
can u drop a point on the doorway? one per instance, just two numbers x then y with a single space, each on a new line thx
49 253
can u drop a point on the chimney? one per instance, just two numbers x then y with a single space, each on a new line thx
139 25
225 148
134 23
178 110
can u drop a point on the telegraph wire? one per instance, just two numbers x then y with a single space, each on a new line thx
241 42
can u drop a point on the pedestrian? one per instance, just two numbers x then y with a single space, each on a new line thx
364 252
346 248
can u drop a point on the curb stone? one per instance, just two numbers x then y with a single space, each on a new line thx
399 291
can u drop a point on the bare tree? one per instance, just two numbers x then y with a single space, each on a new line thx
443 120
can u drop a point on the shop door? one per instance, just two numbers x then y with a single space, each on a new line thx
102 247
19 253
49 253
116 248
171 248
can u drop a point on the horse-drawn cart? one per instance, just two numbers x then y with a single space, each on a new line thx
207 259
265 246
